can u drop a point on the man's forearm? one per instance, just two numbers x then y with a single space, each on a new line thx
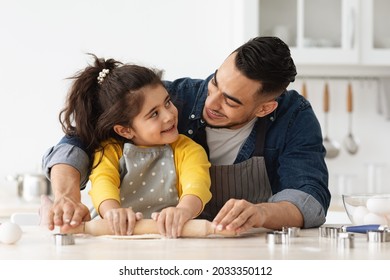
65 181
280 214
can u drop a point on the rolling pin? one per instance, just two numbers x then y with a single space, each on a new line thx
193 228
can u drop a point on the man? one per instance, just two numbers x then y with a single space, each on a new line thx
264 143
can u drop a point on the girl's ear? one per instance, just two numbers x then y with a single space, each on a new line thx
123 131
266 108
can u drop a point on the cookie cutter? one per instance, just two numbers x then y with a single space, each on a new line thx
292 231
329 231
277 237
345 240
378 236
61 239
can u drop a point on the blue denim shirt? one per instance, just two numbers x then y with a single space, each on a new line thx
293 149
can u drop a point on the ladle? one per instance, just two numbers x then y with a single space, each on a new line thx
332 147
350 142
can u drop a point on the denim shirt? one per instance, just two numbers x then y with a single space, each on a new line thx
293 149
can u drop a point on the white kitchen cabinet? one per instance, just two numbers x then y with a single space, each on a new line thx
345 33
375 32
318 31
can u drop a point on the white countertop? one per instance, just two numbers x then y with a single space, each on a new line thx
37 243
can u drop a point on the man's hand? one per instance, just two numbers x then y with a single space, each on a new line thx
67 210
241 215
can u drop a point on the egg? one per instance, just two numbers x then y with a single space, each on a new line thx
372 218
10 233
358 214
378 205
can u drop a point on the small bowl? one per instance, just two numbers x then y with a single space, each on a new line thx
364 209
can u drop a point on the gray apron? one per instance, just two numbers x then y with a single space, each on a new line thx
148 178
245 180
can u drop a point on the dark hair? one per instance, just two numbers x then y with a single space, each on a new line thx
268 60
93 107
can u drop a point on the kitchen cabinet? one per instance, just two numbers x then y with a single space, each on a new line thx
318 31
375 32
350 34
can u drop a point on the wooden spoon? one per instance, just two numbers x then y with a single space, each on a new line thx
304 90
332 147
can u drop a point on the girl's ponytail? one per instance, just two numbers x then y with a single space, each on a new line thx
82 109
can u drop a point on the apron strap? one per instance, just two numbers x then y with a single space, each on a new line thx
201 138
261 128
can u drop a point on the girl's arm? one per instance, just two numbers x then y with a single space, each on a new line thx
105 176
192 167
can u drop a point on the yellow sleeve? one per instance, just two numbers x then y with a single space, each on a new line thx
105 175
192 168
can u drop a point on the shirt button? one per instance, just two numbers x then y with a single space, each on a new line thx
190 132
202 121
192 116
272 118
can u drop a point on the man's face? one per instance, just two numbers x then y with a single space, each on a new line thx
232 99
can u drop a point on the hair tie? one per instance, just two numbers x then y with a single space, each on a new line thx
102 75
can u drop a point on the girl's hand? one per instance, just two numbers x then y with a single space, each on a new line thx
170 221
122 220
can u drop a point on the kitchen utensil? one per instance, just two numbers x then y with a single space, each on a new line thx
193 228
345 240
329 231
350 142
378 236
31 186
277 237
364 228
62 239
332 147
292 231
304 90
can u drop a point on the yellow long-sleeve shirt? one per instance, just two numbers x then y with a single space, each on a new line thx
192 171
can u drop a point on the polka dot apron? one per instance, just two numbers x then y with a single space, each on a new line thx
148 178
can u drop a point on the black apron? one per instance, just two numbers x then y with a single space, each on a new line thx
245 180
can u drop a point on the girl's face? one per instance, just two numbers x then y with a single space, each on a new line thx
156 124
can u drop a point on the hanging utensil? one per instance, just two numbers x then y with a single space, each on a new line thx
304 90
332 147
350 143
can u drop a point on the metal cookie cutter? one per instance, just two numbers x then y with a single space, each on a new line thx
291 231
329 232
277 237
61 239
345 240
378 236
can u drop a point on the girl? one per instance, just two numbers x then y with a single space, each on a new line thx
141 165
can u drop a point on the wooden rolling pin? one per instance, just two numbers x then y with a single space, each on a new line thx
193 228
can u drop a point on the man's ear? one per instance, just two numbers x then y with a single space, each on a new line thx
266 108
123 131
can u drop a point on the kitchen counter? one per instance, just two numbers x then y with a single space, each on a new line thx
37 243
